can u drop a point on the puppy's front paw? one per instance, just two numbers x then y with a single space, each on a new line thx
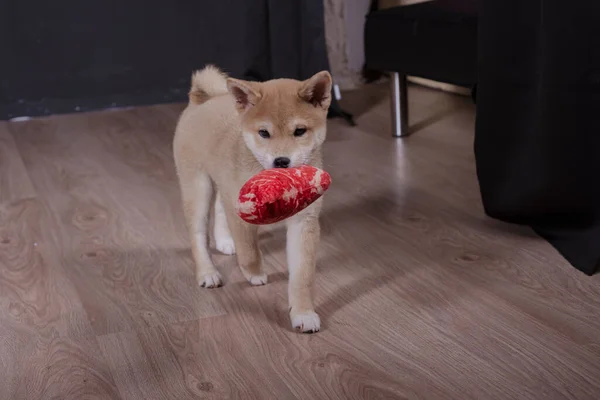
225 245
305 322
210 280
258 280
255 280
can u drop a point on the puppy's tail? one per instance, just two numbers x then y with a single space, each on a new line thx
206 84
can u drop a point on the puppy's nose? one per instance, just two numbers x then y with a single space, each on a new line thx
282 162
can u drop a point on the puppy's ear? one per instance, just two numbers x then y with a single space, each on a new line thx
245 93
317 90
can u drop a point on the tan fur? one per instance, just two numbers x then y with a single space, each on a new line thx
207 83
217 148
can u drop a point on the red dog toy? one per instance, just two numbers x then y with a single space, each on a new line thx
276 194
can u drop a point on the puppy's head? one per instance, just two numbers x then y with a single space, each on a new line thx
283 120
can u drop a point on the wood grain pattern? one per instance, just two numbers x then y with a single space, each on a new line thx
109 187
14 181
421 296
47 347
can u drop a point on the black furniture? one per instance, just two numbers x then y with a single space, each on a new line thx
105 53
435 40
537 137
537 70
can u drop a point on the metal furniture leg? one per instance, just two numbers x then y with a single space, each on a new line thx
399 105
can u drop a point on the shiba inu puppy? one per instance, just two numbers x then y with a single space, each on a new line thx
231 130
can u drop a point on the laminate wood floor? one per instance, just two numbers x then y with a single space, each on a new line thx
421 296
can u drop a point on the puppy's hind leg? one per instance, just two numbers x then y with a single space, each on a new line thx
223 240
197 191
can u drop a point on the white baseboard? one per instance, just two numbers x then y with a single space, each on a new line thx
446 87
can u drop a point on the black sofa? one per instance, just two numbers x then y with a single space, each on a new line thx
435 40
537 135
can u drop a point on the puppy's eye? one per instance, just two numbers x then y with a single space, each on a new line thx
299 131
263 133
